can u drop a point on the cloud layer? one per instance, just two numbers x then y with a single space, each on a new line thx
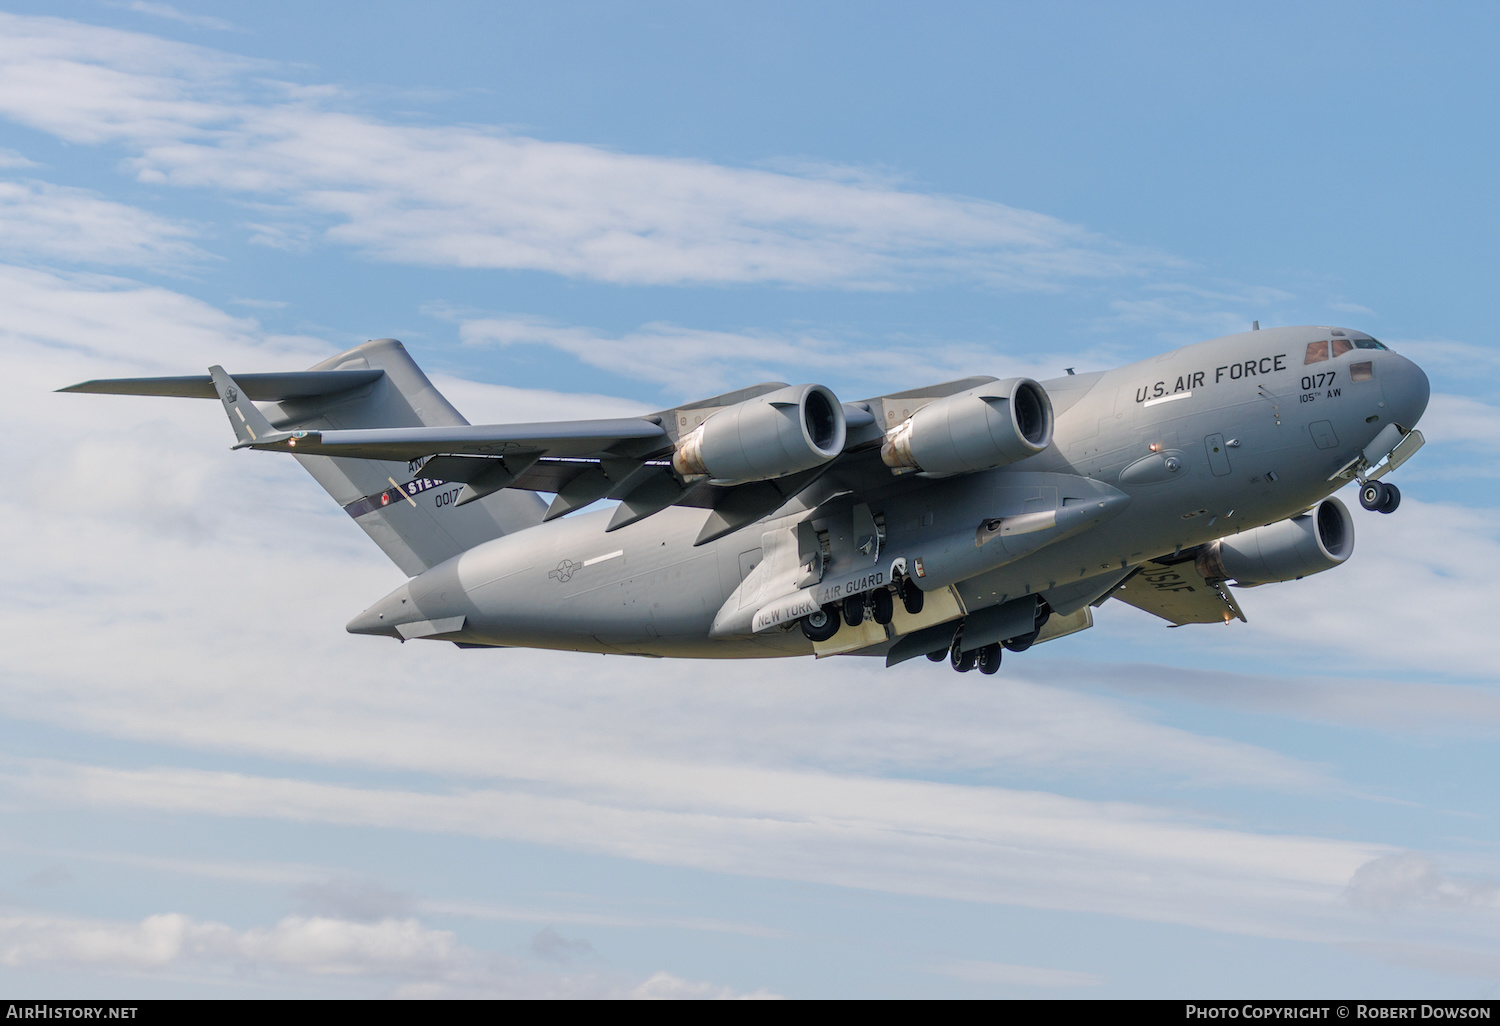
755 777
399 957
487 198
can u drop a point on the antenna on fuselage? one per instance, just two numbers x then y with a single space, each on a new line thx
1255 325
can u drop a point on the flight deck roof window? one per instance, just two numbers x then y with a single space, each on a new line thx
1317 352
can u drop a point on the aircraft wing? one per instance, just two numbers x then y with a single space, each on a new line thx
567 439
1178 593
596 439
581 462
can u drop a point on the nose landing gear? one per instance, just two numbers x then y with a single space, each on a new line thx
1379 497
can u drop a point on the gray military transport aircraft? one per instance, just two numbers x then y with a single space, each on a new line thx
952 521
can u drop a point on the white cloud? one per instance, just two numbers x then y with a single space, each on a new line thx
401 956
475 197
1417 707
1183 313
53 222
1460 420
1004 974
1408 879
170 13
665 986
905 837
696 362
558 914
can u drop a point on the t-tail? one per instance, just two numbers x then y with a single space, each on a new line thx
413 519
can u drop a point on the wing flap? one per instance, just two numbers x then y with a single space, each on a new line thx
1179 594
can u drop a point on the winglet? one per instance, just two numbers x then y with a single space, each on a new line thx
250 425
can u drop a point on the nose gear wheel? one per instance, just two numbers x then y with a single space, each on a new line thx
1379 497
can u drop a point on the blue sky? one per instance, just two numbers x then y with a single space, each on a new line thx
576 209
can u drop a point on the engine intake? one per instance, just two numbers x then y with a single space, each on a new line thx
1318 540
784 432
986 427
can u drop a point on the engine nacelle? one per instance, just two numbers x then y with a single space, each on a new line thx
784 432
985 427
1318 540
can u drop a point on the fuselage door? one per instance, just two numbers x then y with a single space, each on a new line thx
1218 455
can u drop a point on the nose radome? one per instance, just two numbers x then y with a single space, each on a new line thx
1406 390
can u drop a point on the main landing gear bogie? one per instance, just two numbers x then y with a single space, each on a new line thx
1379 497
878 605
854 611
963 661
986 658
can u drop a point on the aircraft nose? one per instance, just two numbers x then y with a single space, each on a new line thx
1406 389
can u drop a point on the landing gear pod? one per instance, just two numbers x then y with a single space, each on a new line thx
997 423
1318 540
774 435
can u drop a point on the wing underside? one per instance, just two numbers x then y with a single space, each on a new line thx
1175 591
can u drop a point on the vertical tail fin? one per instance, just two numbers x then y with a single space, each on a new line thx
413 519
250 425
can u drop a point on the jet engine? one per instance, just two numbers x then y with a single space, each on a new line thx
784 432
985 427
1317 540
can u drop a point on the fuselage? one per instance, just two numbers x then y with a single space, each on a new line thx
1146 460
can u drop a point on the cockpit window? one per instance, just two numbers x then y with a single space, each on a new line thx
1367 343
1317 352
1361 371
1341 346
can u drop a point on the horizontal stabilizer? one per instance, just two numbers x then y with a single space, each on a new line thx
264 388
